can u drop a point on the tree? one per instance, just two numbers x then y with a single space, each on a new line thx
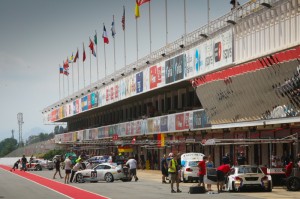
61 130
56 130
8 145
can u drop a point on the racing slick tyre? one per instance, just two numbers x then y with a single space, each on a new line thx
293 184
109 177
79 178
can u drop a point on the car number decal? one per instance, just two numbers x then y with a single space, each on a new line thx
94 174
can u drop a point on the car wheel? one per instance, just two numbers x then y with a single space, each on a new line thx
109 177
293 184
269 186
232 187
79 178
38 168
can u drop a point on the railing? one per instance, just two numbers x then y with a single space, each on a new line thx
174 48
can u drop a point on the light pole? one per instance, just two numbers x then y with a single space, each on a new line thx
20 123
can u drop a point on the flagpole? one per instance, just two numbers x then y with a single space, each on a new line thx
59 81
90 66
97 56
78 68
83 69
114 45
124 38
63 81
137 42
166 6
72 73
150 27
184 22
104 56
208 16
68 82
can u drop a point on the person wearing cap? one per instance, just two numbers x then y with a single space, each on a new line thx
77 167
173 172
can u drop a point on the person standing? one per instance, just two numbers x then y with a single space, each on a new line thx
68 167
202 171
209 164
173 172
57 162
143 162
23 161
132 165
76 168
164 168
241 159
221 172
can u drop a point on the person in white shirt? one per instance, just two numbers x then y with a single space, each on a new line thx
68 168
132 165
77 167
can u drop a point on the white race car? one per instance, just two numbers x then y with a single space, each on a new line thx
102 172
189 163
248 177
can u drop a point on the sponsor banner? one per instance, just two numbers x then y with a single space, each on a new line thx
139 82
101 133
93 134
144 126
94 99
150 126
164 123
75 135
84 103
89 101
80 135
146 81
171 123
218 51
174 68
86 133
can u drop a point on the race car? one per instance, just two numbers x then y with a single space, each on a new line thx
246 177
102 172
189 169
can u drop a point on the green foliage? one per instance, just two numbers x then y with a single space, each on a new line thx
8 145
50 154
39 138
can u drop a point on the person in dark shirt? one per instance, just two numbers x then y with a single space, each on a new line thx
57 167
16 165
226 159
143 162
241 159
164 168
23 161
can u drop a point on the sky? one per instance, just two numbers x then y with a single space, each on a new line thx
37 35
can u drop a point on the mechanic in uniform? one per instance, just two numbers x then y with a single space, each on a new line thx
173 172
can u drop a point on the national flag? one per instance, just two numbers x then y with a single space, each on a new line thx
92 47
140 2
61 69
104 35
66 72
123 18
113 30
66 64
71 58
137 9
95 39
83 56
76 56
